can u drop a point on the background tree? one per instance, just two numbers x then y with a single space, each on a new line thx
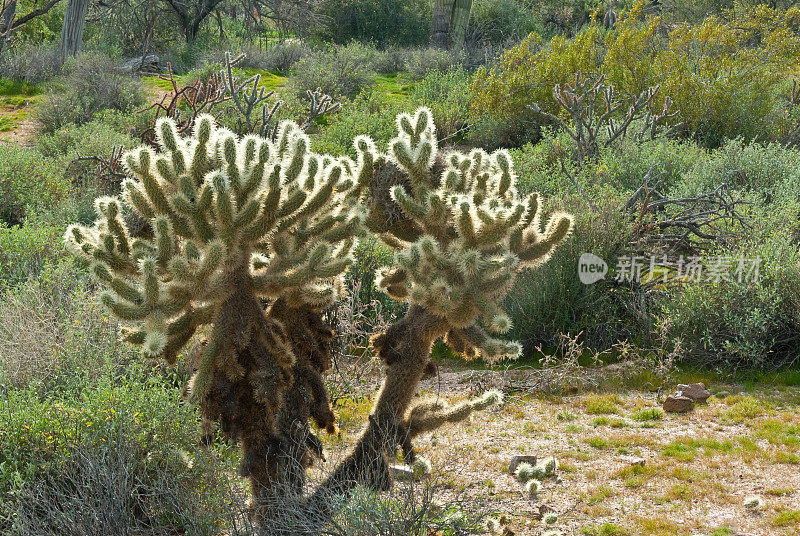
11 20
191 14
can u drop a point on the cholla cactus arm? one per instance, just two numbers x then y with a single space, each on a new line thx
234 220
474 234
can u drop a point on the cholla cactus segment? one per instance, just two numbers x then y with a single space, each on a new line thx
421 467
224 212
550 519
427 416
525 472
549 465
532 487
460 231
753 502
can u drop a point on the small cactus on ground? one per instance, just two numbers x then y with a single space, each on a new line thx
753 503
533 487
525 472
550 519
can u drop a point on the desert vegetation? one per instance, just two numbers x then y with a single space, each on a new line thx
402 267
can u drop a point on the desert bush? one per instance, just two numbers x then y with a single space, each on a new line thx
25 250
765 169
749 323
553 300
420 61
498 21
626 164
447 95
390 60
369 113
33 64
340 71
96 137
724 76
527 73
92 85
27 181
117 455
53 328
404 22
277 57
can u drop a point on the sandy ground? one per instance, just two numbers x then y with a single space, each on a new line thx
697 468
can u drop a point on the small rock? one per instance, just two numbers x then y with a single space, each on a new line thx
678 404
633 460
401 472
696 391
738 389
723 394
518 459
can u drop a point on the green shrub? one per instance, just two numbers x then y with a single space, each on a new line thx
446 94
370 113
25 250
28 180
278 57
552 299
341 71
93 138
123 447
420 61
726 76
401 22
93 84
751 324
497 21
31 64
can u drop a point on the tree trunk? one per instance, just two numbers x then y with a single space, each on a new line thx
6 23
72 29
440 23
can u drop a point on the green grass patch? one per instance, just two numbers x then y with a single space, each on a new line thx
606 529
397 86
648 414
10 87
601 404
787 519
744 408
687 449
268 80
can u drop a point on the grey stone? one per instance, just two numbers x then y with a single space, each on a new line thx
695 391
518 459
678 404
402 472
723 394
146 64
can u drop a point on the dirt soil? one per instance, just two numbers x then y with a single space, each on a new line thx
626 468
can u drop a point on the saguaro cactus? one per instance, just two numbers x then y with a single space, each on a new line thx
234 221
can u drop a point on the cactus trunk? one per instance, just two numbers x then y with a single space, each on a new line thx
405 349
461 10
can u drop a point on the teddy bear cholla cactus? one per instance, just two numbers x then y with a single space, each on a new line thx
461 233
234 221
